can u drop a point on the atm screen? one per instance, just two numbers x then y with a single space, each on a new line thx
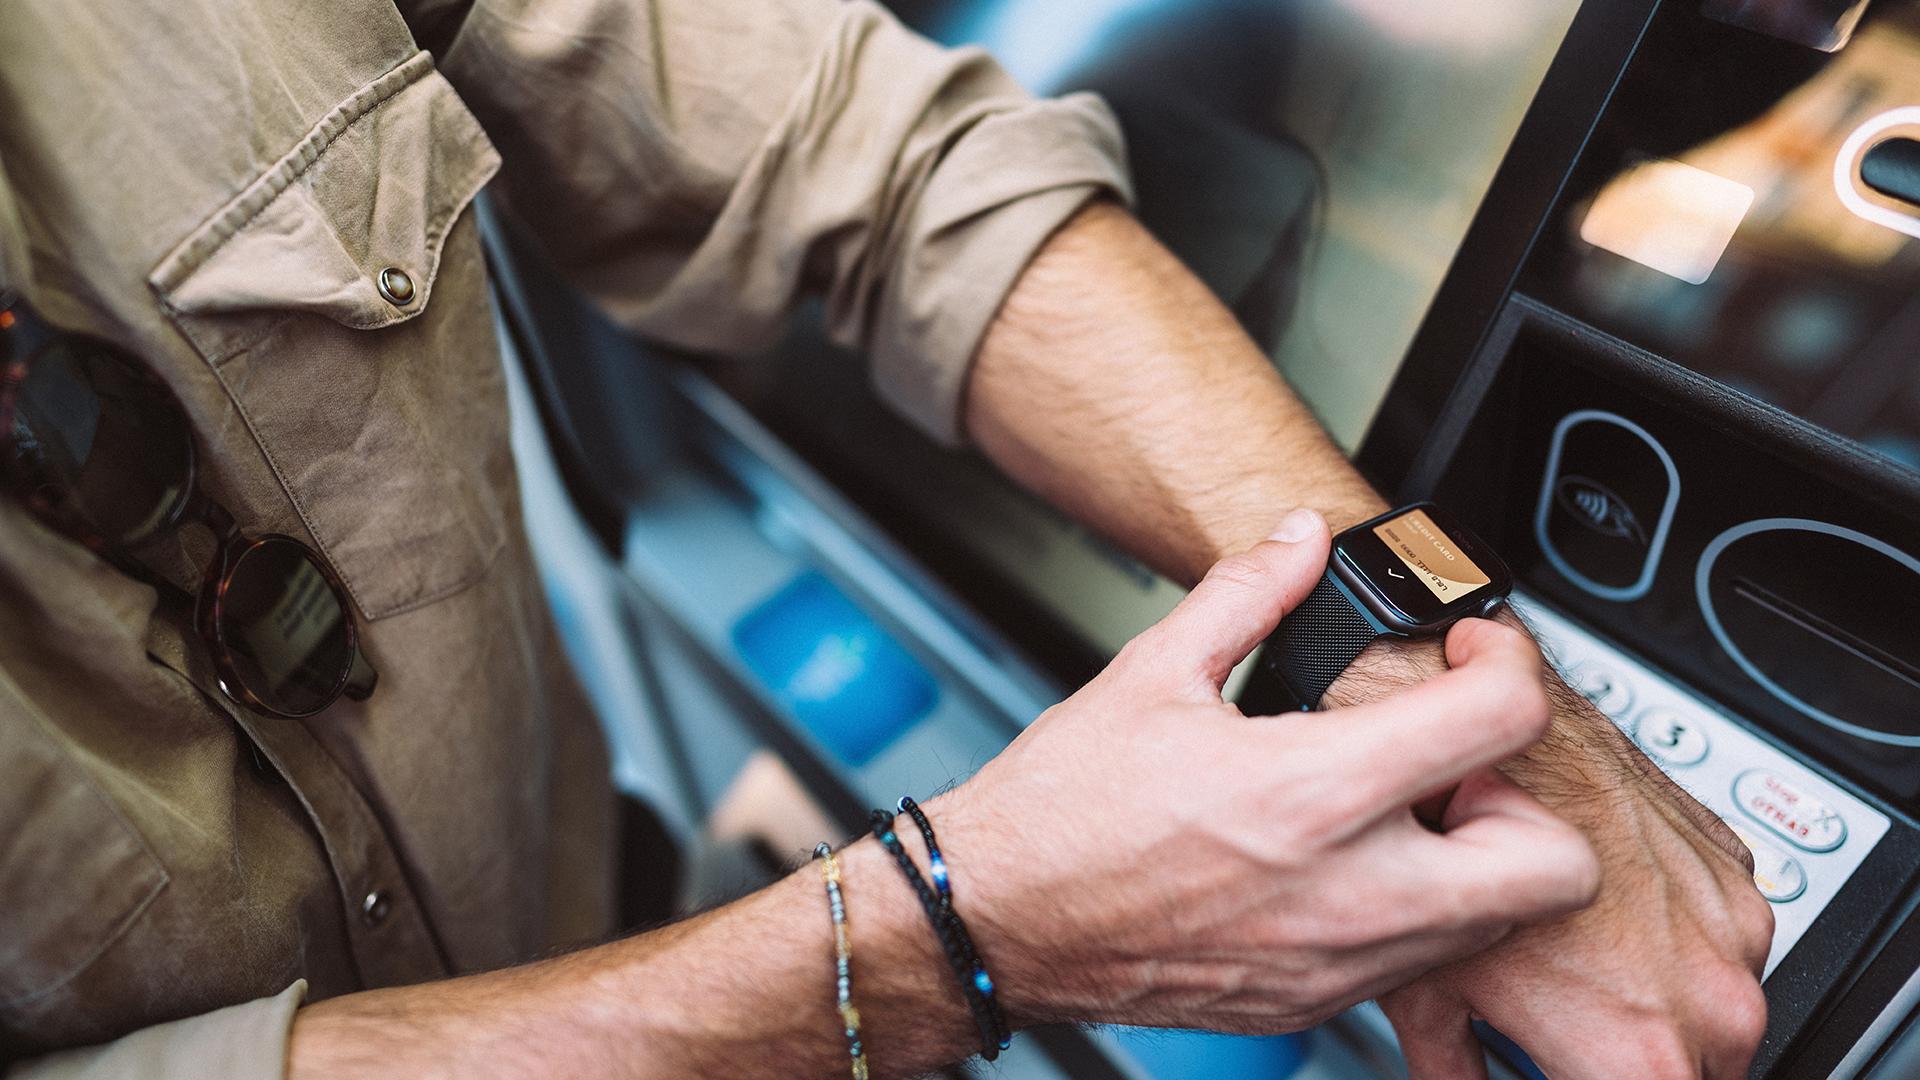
1750 208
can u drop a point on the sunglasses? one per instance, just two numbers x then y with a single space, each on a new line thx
95 445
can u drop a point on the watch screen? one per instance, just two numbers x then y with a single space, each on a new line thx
1422 565
1434 558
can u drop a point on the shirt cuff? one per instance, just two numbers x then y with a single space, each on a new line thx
974 229
240 1042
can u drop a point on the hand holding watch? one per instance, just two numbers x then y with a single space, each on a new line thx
1409 573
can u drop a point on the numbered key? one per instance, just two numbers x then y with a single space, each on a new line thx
1673 738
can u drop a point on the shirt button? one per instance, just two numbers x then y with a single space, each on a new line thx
396 286
375 907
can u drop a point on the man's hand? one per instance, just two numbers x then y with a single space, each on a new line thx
1114 383
1657 979
1142 854
1145 854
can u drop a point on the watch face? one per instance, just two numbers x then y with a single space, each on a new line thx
1427 568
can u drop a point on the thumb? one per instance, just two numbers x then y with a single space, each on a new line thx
1238 604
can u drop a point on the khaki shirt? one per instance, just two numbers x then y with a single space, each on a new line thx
216 185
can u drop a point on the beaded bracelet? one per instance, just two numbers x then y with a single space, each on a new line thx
937 867
976 986
943 929
842 959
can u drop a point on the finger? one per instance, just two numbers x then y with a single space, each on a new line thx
1395 751
1236 606
1503 858
1436 1035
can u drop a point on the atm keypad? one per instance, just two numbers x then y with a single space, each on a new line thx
1778 875
1781 805
1671 737
1807 835
1607 690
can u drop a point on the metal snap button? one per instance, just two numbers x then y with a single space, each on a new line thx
396 286
375 908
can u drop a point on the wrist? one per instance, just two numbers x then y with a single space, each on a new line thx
1237 529
1582 755
996 892
902 975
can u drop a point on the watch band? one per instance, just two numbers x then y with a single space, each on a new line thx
1317 640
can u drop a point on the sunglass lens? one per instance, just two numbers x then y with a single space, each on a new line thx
284 627
103 445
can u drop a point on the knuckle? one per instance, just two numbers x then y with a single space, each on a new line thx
1462 911
1246 571
1753 920
1664 1054
1741 1013
1142 665
1743 857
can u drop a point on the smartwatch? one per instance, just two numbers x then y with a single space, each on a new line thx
1409 573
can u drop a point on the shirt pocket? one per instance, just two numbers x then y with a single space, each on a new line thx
340 298
74 875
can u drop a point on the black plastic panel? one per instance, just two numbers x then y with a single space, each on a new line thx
1736 459
1737 462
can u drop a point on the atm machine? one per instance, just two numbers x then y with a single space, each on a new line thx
1674 374
1632 286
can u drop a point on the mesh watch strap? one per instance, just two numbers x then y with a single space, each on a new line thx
1317 641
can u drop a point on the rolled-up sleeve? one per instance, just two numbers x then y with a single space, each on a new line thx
240 1042
13 241
700 166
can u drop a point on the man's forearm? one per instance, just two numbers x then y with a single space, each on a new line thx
1116 385
746 990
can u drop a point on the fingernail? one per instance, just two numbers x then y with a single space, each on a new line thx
1297 526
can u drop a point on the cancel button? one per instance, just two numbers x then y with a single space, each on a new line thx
1780 805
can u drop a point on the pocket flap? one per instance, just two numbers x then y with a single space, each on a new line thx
376 185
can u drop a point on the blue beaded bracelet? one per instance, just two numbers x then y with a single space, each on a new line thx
976 986
936 865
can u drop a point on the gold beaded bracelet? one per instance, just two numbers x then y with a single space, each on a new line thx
842 959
